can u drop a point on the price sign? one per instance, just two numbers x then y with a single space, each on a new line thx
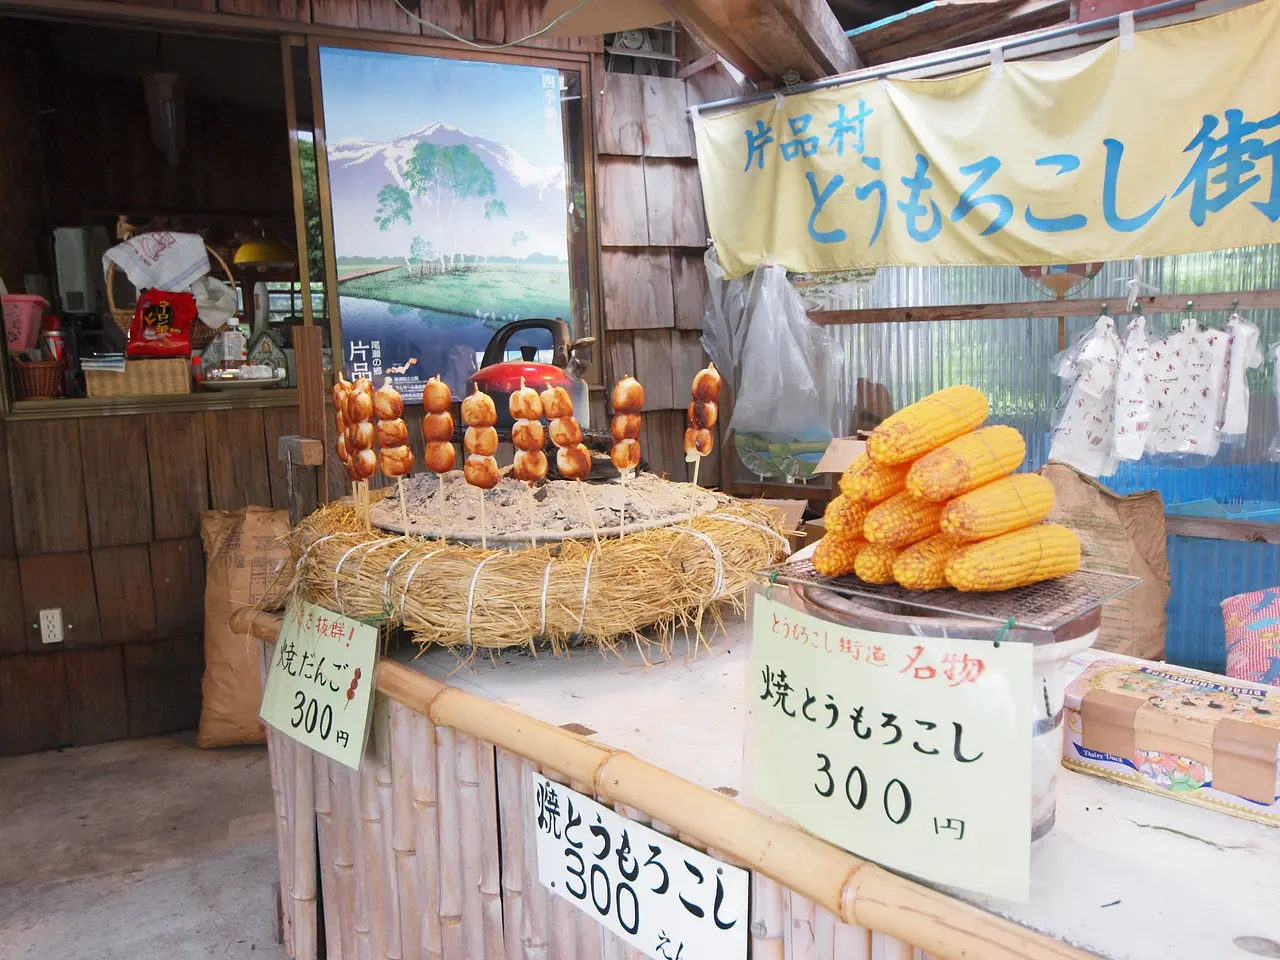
664 898
914 752
320 684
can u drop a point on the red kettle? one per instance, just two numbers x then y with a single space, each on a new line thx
500 378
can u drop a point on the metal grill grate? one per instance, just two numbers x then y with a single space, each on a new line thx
1047 605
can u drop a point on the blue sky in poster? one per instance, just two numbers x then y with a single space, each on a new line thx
499 102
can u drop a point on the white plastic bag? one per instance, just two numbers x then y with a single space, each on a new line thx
1085 418
1274 452
1244 353
215 301
784 370
1133 405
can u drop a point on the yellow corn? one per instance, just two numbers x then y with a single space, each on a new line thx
874 563
836 556
922 566
843 517
1002 506
867 482
902 520
1016 559
915 430
966 463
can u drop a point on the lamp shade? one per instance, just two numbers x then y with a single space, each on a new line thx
261 252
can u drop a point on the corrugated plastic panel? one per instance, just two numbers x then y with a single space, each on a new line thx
1204 573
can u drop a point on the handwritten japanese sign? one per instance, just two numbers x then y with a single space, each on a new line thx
320 683
664 898
914 752
1160 147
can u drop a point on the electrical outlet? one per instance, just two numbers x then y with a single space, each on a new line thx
51 625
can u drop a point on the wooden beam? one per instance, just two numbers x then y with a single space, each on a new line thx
709 34
704 62
1222 528
1041 309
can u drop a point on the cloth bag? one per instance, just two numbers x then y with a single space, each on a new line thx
1252 624
245 551
160 260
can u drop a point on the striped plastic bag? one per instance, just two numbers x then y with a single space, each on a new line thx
1252 622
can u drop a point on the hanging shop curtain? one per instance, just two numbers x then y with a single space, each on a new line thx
1158 143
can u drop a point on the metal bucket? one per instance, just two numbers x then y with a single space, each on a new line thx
1052 650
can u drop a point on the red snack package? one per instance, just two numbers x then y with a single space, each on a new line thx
162 325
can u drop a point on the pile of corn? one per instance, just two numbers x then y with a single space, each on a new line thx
932 502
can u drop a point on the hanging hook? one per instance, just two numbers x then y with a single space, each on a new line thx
1104 308
1235 304
1190 304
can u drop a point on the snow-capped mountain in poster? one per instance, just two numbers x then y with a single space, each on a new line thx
465 196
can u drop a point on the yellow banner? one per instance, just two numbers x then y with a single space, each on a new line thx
1162 144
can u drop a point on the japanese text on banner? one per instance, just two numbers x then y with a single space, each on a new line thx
664 898
1167 147
320 682
914 752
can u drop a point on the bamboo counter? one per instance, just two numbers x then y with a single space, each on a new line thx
424 855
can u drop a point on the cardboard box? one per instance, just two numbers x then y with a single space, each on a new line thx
814 530
1196 737
841 452
792 512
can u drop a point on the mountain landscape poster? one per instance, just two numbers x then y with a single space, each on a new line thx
451 215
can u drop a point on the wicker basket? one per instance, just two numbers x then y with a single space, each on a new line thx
41 380
141 378
201 333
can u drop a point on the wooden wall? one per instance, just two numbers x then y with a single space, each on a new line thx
22 180
653 235
101 517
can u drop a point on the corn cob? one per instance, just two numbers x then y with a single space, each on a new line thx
929 423
966 463
1000 507
1016 559
867 482
843 517
922 566
902 520
836 556
874 563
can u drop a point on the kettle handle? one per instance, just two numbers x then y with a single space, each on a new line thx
497 347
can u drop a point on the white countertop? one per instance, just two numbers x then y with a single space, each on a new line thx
1125 874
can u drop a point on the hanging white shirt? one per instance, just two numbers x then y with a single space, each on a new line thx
1082 436
1244 354
1133 406
1186 373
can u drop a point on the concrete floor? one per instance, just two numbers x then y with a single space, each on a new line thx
138 850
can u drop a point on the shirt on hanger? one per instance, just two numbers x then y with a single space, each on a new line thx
1185 380
1082 436
1244 354
1133 407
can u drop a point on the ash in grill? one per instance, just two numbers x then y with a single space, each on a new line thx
1048 605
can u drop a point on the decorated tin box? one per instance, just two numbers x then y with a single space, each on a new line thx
1196 737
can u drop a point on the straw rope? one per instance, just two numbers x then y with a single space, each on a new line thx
662 579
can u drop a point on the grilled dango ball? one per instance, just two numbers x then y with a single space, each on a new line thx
707 384
364 464
392 433
565 431
625 426
530 466
478 410
396 461
440 457
525 404
437 427
436 397
360 401
698 441
481 441
628 395
703 414
387 402
574 463
625 454
528 435
481 472
556 403
341 391
359 436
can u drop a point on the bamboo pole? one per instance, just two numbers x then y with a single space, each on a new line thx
362 921
303 892
426 834
466 783
371 893
767 939
824 934
333 945
855 890
589 938
275 753
379 774
562 919
511 817
490 851
450 909
534 909
852 942
403 839
797 919
342 817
